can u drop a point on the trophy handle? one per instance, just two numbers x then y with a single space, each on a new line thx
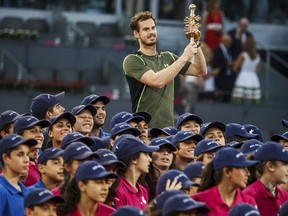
190 22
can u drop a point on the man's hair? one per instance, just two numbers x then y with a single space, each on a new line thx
139 17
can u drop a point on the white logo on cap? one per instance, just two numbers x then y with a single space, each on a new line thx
81 147
251 131
239 155
13 138
12 113
252 212
186 200
283 150
178 176
28 119
96 167
123 116
45 192
209 143
108 154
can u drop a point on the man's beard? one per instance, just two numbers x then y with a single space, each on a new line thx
149 44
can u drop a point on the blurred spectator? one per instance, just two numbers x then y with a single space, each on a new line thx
221 64
247 87
233 10
239 36
212 24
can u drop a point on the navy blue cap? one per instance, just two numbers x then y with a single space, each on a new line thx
235 144
66 115
277 137
188 116
271 151
7 117
39 196
147 117
124 117
76 110
127 145
156 132
243 209
78 151
173 174
170 130
159 201
13 140
231 157
285 123
106 141
206 145
108 157
41 103
194 169
49 153
90 99
162 142
283 210
76 136
234 129
128 210
181 136
24 122
208 125
98 143
92 170
250 146
123 128
253 129
183 202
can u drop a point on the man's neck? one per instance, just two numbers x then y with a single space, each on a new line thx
148 50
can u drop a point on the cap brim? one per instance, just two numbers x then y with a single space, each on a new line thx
187 184
248 135
149 149
147 117
196 137
105 175
110 162
86 140
154 132
190 117
136 119
170 146
219 125
59 97
102 98
247 163
28 142
214 148
86 155
285 123
277 137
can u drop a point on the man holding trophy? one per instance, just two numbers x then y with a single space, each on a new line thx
150 74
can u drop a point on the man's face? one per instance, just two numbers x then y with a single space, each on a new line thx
147 34
99 118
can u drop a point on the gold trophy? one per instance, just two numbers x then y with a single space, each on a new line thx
191 27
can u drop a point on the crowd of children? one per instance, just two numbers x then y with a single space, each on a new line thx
56 162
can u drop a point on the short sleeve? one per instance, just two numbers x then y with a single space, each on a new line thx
134 66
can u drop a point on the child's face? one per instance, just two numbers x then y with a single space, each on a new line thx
96 189
18 160
46 209
53 169
190 125
34 132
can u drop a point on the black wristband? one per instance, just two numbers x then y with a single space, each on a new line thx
199 44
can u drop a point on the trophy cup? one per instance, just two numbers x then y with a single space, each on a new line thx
191 26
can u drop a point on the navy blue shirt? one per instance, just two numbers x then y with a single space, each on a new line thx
11 199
